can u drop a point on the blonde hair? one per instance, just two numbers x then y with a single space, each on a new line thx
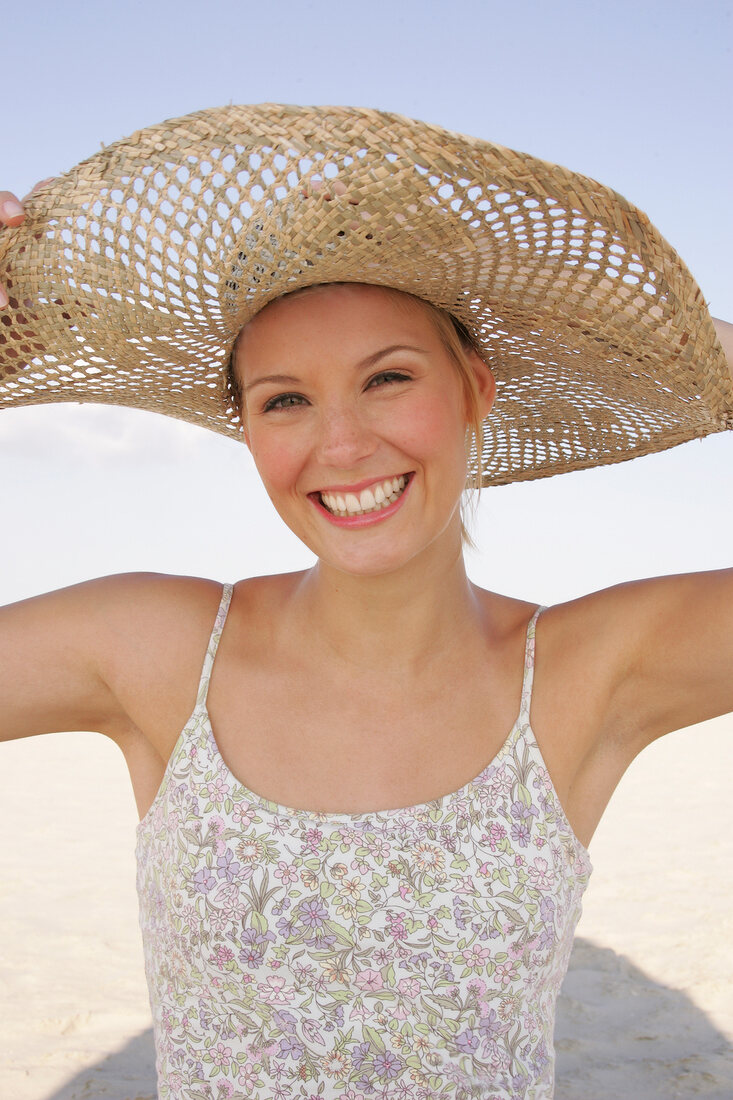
457 341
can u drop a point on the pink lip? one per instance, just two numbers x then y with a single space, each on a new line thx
369 518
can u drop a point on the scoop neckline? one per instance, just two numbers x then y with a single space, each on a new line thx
277 809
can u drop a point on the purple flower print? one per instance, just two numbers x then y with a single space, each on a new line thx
520 833
521 812
254 945
489 1025
312 913
387 1065
290 1048
285 1021
468 1041
360 1054
226 867
204 880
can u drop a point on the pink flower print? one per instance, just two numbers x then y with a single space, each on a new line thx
539 874
276 991
497 833
359 1011
475 956
432 923
313 1033
222 956
519 861
501 783
247 1078
378 848
405 891
466 886
369 980
217 791
397 929
505 973
313 838
242 813
286 872
409 987
382 956
221 1056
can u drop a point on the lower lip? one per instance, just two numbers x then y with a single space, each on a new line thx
369 518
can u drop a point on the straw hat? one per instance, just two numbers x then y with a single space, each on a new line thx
134 272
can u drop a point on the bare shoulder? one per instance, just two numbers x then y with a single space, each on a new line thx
650 656
69 658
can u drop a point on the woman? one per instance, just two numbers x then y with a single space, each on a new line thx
361 863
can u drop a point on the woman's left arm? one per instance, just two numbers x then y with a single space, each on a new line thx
678 636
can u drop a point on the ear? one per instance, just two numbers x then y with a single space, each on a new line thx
485 383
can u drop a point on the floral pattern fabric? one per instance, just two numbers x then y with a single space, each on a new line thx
406 954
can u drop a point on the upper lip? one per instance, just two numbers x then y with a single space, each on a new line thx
358 486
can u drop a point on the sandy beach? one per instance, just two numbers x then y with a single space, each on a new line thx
647 1007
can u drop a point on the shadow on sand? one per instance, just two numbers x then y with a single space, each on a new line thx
619 1036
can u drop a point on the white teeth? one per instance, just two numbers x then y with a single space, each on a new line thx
368 500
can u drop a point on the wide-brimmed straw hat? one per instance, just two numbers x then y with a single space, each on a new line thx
134 272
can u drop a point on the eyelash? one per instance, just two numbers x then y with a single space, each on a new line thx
285 401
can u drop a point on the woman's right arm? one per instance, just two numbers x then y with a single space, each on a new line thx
53 650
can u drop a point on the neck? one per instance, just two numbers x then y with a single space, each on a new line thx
396 621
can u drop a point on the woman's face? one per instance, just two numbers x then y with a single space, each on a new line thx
356 419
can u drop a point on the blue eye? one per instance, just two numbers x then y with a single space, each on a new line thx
284 401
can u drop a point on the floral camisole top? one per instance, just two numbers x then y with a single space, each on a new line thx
404 954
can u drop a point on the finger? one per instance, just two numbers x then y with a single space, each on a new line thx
11 209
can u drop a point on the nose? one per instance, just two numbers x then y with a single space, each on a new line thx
344 439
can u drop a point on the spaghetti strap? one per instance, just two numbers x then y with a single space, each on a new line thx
529 650
221 618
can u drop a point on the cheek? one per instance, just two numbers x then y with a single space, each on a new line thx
277 465
438 429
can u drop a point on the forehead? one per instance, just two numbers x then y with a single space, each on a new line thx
337 316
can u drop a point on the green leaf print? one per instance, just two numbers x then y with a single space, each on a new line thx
258 922
374 1038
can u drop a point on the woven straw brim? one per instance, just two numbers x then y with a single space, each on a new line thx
134 272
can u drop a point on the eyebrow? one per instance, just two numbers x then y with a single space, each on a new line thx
365 364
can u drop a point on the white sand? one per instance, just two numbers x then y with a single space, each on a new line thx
647 1011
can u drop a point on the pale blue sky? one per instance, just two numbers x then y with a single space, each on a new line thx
637 94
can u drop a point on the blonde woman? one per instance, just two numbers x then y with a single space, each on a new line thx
366 790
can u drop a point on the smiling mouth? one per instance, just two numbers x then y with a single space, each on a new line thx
374 499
